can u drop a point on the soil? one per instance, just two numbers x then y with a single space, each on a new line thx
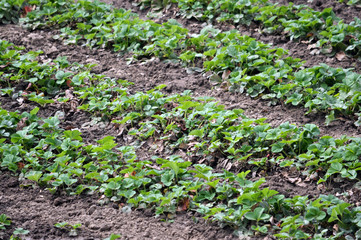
37 210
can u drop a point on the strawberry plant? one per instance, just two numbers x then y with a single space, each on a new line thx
72 228
4 221
11 10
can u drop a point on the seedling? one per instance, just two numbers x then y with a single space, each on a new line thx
4 221
72 228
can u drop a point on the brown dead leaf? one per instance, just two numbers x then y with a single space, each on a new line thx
313 177
312 46
21 124
302 184
315 52
29 86
340 56
335 227
292 180
128 175
69 94
183 204
20 165
226 74
69 127
183 145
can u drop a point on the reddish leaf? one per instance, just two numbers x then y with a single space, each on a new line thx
21 165
21 124
183 204
68 83
26 10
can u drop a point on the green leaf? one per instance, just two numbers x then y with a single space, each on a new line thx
277 147
74 135
113 237
34 175
335 168
113 185
338 211
257 215
61 224
34 111
167 178
21 231
4 221
197 132
315 213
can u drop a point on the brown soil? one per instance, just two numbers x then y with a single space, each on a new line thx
37 210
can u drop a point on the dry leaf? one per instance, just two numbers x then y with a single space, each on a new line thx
315 52
312 46
21 124
20 165
292 180
183 204
226 74
128 175
340 56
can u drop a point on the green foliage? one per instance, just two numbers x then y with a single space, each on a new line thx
4 221
166 184
249 66
42 152
297 21
11 10
72 228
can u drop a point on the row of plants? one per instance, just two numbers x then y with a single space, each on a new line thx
245 64
23 76
18 233
296 21
58 159
44 153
